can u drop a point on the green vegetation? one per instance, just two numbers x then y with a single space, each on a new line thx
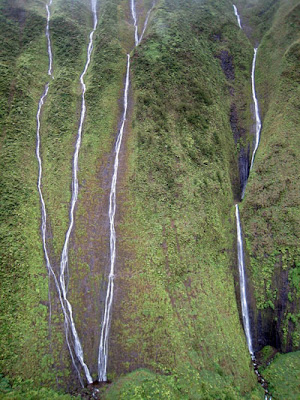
257 16
175 310
265 355
283 375
176 331
27 391
26 342
142 385
24 326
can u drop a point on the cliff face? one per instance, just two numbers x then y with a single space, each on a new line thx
270 210
176 327
175 306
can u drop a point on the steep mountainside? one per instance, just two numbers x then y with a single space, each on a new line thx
176 330
271 209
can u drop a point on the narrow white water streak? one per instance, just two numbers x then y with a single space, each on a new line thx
257 117
43 206
64 256
256 108
237 16
244 303
48 38
133 12
146 23
103 347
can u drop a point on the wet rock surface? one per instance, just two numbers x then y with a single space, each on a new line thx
260 378
244 152
244 167
227 64
93 391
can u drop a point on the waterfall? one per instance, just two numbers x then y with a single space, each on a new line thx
237 16
146 23
61 285
42 201
103 346
257 117
243 289
240 249
48 38
133 12
255 101
64 257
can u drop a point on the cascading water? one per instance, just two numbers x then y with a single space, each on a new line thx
240 249
237 16
244 303
133 12
257 116
64 257
42 202
146 23
243 290
103 346
48 38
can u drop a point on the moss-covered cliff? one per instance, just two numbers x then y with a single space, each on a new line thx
176 330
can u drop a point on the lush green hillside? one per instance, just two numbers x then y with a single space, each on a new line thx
176 332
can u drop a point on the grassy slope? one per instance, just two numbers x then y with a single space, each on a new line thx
271 208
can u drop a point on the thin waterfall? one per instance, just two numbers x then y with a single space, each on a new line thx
243 289
48 38
257 116
42 201
146 23
133 12
237 16
255 101
240 249
103 345
64 257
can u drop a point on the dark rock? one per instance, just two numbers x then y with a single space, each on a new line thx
217 37
244 154
244 167
227 64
